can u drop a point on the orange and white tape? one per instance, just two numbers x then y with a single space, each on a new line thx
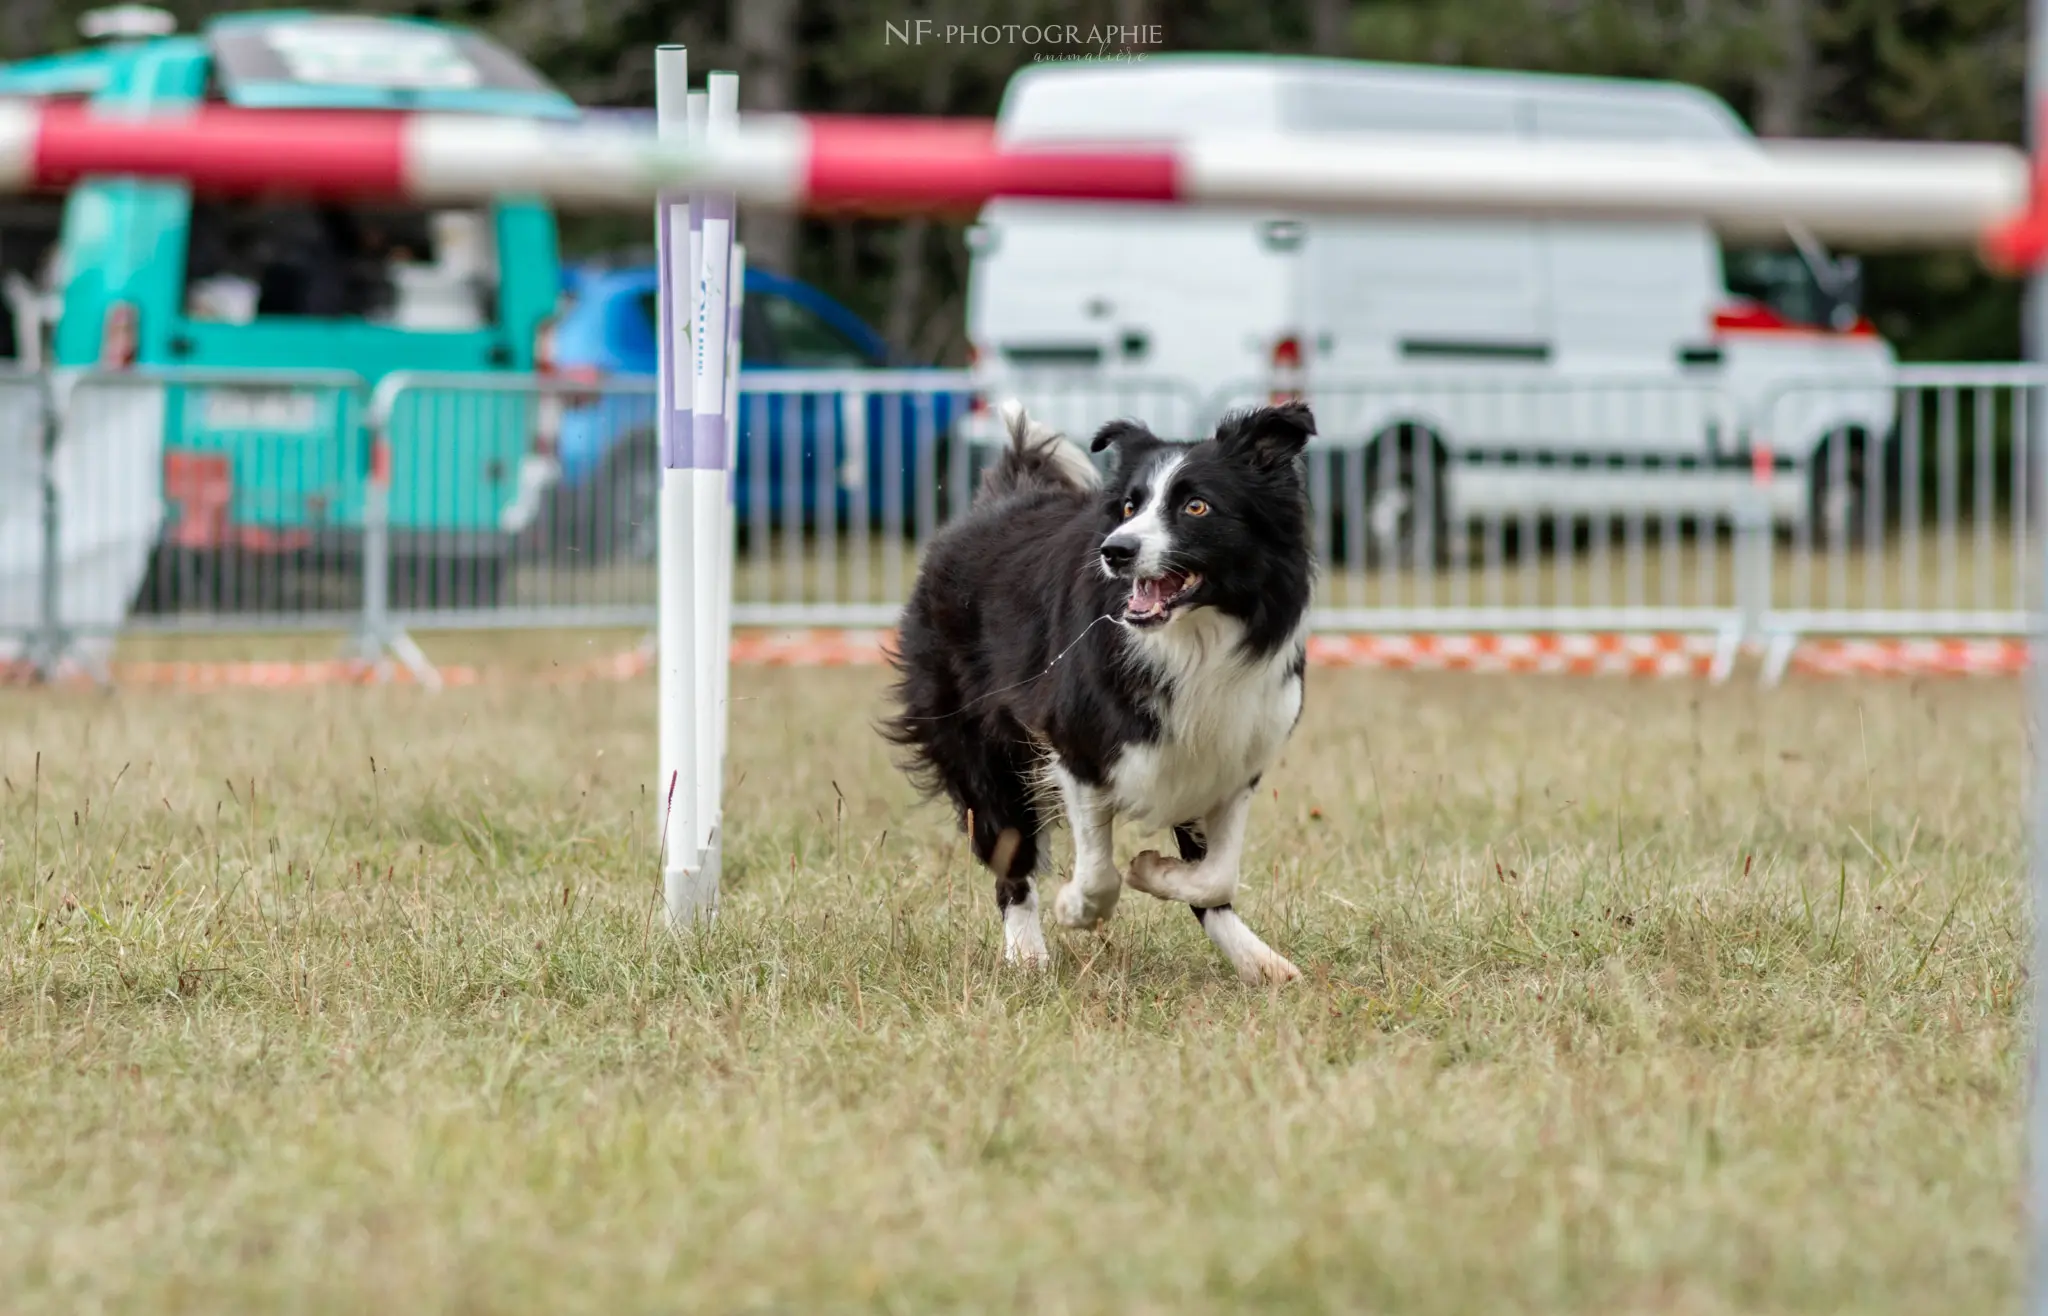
1568 655
1994 657
815 648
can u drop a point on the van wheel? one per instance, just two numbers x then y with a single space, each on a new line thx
1404 499
1840 490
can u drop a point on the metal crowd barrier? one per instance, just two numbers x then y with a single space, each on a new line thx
840 479
260 486
1895 502
518 501
1924 528
1482 503
28 525
194 500
175 500
531 502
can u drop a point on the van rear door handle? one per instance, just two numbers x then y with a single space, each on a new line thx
1709 355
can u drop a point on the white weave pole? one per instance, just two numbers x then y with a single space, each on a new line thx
736 289
708 479
683 893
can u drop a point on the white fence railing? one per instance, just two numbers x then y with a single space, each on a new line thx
242 500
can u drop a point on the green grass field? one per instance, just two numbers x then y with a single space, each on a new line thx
1619 997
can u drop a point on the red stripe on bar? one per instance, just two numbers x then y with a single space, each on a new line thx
2019 245
896 164
219 149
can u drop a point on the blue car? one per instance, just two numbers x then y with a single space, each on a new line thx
607 451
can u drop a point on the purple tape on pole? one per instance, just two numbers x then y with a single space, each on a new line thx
710 432
672 412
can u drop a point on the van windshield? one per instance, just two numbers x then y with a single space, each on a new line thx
406 267
1782 280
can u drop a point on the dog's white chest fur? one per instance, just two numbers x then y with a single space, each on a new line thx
1223 722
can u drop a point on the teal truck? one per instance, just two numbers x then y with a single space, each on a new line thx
133 275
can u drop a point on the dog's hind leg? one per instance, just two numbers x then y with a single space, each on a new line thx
1013 857
1205 877
1089 897
1005 837
987 774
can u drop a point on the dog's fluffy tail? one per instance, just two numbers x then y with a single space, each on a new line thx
1038 457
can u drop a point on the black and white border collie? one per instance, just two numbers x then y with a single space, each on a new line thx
1135 646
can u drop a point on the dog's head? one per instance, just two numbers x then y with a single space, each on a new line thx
1187 526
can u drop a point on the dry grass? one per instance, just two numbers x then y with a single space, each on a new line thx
1620 997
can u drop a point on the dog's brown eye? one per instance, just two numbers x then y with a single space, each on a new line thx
1130 509
1196 507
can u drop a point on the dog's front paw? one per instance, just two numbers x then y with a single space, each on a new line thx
1153 873
1269 970
1082 910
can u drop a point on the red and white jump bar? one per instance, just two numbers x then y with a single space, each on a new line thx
1865 193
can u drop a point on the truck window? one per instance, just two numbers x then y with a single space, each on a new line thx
757 341
409 268
29 228
804 340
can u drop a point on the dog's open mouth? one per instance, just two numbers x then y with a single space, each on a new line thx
1153 599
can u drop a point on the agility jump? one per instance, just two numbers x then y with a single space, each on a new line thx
1873 194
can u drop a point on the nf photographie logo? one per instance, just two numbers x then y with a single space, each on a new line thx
918 31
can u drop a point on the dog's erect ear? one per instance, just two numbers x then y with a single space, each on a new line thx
1267 436
1119 432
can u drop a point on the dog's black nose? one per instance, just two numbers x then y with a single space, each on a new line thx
1119 556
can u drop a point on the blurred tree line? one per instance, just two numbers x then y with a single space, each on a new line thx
1934 69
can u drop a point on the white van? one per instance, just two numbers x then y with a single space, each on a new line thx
1489 365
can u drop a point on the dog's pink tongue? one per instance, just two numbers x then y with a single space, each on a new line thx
1147 595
